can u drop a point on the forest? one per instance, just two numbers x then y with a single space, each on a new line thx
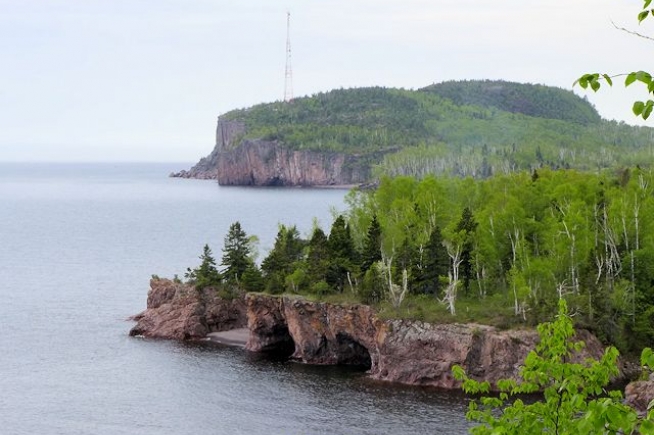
475 128
501 251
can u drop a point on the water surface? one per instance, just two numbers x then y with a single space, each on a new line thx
78 244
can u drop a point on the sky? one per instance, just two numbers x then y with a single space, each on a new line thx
144 80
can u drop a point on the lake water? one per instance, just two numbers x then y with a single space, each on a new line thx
78 244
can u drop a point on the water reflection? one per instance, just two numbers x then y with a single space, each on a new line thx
344 399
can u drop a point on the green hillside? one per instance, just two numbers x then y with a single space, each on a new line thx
466 128
532 100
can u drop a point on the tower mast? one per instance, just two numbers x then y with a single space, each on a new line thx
288 77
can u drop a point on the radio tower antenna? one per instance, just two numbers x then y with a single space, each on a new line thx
288 77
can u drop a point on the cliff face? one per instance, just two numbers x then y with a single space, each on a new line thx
238 162
177 311
408 352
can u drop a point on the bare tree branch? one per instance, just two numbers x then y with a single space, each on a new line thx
631 32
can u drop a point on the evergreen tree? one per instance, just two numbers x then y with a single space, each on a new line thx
283 258
236 253
434 263
205 275
468 225
371 245
317 256
342 255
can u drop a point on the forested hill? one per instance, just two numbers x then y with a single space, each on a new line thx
532 100
466 128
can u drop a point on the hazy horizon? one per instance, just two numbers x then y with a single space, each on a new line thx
145 81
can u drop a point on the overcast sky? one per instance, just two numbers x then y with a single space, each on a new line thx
144 80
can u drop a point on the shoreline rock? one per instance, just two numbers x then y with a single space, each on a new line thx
235 161
400 351
177 311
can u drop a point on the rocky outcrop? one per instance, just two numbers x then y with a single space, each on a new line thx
178 311
403 351
639 394
256 162
409 352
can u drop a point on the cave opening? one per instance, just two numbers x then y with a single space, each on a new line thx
280 345
352 353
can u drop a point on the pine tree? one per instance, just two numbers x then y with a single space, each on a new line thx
205 275
317 256
468 225
236 253
435 263
283 258
342 255
371 245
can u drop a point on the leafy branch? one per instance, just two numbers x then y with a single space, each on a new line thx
593 80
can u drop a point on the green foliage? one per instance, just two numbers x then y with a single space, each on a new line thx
538 101
574 396
283 259
594 80
343 258
529 240
317 256
237 255
371 245
205 275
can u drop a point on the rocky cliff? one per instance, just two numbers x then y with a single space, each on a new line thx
408 352
256 162
178 311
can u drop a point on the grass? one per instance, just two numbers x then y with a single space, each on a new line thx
496 310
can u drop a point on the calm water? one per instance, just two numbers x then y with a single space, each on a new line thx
78 244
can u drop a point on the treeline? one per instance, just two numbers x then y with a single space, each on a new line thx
502 250
471 128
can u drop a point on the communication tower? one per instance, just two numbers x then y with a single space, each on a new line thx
288 80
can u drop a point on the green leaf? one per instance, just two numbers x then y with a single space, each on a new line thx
647 3
638 108
643 76
631 77
595 85
608 79
642 16
648 109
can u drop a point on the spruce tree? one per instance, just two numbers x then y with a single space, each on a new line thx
342 255
236 253
434 263
205 275
371 245
317 256
468 225
283 258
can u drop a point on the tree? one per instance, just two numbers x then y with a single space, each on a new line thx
435 263
371 245
342 255
236 253
574 397
593 80
205 275
466 226
283 258
317 256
